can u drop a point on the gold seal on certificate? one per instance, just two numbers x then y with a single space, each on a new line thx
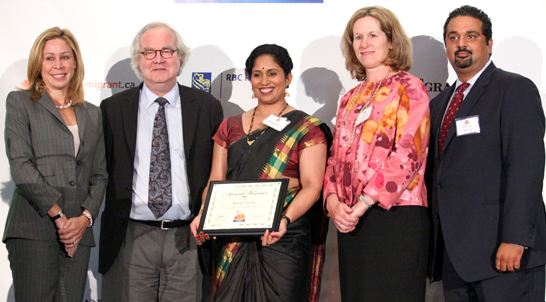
243 207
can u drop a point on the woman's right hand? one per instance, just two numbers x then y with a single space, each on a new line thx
194 226
69 248
340 213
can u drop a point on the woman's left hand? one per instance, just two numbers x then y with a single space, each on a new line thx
73 230
359 209
273 237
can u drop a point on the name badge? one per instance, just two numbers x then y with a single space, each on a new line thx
276 122
363 115
468 125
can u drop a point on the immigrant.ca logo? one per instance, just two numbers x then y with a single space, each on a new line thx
95 85
111 85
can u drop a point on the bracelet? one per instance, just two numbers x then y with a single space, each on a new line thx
364 200
287 220
84 213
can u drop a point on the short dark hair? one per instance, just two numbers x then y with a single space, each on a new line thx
471 11
279 54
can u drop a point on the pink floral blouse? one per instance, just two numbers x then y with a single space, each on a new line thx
387 158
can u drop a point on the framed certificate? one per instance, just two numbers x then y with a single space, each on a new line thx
243 207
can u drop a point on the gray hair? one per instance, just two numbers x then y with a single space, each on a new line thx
182 49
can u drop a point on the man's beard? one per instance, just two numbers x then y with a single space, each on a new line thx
463 63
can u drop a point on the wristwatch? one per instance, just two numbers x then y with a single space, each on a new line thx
60 215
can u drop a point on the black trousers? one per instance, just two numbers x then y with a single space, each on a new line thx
520 286
385 257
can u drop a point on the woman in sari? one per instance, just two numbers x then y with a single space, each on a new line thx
277 266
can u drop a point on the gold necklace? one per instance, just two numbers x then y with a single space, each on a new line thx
249 142
363 108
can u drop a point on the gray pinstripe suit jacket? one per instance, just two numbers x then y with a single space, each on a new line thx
40 150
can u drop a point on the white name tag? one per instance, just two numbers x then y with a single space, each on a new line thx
468 125
276 122
363 116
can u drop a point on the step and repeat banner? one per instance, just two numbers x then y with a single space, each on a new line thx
221 34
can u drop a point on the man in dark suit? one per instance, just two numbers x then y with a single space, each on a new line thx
158 140
485 173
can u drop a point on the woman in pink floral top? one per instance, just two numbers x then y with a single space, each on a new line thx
374 187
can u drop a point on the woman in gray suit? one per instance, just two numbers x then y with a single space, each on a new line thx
55 147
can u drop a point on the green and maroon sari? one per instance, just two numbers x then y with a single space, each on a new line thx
289 270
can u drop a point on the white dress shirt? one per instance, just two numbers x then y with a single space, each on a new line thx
472 81
147 109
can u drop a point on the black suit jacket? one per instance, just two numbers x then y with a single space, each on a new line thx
487 187
201 116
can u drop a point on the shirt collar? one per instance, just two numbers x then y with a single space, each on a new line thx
149 97
475 77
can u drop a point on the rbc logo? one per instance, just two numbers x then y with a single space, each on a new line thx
201 80
233 77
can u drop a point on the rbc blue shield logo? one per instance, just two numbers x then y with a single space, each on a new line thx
201 80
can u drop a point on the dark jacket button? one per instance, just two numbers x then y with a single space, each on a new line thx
440 185
72 183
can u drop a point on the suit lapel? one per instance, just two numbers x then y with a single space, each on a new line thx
81 117
470 100
190 115
48 104
476 91
439 116
129 116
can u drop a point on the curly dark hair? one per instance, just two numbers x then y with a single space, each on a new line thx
279 54
471 11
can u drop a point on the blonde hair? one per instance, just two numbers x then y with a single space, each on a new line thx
36 57
399 57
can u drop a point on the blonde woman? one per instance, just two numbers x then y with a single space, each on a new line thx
55 147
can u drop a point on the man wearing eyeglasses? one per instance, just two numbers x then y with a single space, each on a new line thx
158 140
